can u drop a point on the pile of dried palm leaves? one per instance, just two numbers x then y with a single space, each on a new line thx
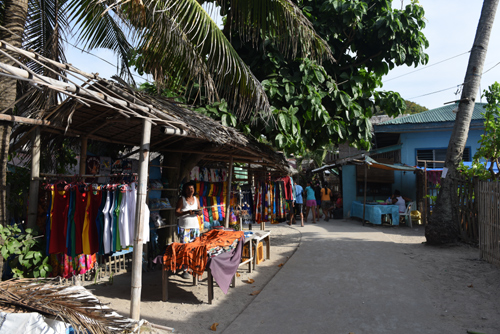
72 305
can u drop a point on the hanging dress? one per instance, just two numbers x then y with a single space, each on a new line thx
59 221
86 225
131 204
95 204
107 234
124 221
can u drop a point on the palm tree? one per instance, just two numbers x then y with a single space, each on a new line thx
443 224
176 41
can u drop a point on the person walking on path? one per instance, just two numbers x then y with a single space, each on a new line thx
326 203
297 204
310 201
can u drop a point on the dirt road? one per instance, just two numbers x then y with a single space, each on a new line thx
337 277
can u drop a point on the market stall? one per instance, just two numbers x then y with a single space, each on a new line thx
97 110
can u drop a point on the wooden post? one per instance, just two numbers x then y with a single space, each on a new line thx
34 182
140 220
83 155
364 193
425 194
228 192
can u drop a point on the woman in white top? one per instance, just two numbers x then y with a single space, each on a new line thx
187 210
400 201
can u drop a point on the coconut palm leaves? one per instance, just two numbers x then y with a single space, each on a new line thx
178 43
45 31
281 21
100 28
76 307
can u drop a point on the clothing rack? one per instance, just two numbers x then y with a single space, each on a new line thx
44 176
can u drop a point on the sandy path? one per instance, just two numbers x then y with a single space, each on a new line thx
343 278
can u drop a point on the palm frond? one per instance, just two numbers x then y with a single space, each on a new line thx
280 20
100 28
180 41
82 311
45 31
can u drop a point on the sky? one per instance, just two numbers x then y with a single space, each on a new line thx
450 29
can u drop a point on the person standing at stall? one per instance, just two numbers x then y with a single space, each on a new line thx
326 203
310 201
187 210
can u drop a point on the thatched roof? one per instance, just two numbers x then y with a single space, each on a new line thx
113 112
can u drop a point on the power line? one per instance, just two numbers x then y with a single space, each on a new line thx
439 91
90 53
491 68
104 60
442 90
426 67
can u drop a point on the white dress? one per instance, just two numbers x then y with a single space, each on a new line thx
123 222
189 221
107 229
132 202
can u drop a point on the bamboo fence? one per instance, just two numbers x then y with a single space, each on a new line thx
467 206
489 221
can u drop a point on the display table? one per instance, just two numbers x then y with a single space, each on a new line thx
210 280
257 237
374 212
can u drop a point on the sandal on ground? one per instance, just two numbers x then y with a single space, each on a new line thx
185 275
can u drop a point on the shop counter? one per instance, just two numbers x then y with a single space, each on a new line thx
210 280
374 212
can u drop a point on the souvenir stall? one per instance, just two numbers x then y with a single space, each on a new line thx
96 213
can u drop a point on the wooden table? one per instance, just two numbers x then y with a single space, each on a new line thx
210 280
258 236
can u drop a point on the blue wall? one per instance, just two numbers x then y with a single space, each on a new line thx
406 181
348 187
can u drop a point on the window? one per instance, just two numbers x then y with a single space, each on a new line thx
438 154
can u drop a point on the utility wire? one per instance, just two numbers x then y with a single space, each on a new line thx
439 91
426 67
491 67
442 90
90 53
104 60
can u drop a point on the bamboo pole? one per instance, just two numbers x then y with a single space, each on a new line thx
34 183
364 193
83 154
228 192
140 220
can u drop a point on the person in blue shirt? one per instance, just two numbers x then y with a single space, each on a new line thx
310 201
297 204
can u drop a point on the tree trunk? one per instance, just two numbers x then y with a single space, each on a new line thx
443 224
15 17
14 20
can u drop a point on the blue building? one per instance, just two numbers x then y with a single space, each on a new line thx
425 136
403 141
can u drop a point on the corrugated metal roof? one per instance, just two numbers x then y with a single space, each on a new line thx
442 114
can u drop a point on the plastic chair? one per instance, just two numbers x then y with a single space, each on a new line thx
407 213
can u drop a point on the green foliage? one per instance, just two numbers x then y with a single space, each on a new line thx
215 110
489 150
18 182
414 108
24 252
317 105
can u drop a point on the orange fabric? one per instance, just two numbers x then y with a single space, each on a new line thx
194 254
